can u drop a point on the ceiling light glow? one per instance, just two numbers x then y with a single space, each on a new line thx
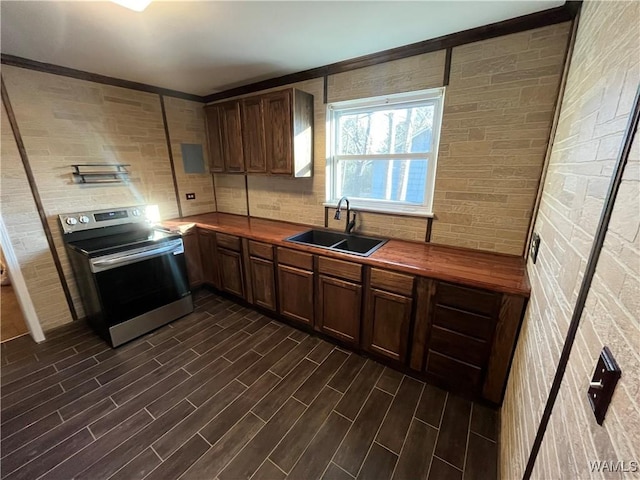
137 5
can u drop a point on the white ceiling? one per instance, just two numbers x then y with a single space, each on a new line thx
206 47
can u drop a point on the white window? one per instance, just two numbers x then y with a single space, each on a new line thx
383 151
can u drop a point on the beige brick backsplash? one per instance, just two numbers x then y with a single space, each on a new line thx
500 105
185 120
586 145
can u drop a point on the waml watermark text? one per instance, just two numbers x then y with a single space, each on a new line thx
622 466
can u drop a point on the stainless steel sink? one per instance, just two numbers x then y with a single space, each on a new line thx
340 242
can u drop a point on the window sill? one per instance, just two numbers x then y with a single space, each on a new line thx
381 210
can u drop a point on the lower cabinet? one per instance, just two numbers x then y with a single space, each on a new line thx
458 337
387 319
387 322
231 277
192 257
339 304
464 338
208 260
263 282
296 294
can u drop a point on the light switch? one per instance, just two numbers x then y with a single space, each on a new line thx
603 383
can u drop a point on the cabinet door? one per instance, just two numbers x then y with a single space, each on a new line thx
339 309
386 330
208 259
216 156
253 135
231 136
263 282
192 258
277 122
231 278
295 292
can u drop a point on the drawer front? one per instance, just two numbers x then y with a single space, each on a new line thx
469 299
477 326
453 373
261 250
392 281
294 258
340 268
460 347
228 241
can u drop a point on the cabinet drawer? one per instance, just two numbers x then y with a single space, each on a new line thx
228 241
478 326
469 299
392 281
294 258
261 250
454 373
340 268
461 347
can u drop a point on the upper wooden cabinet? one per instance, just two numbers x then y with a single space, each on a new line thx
278 132
253 135
231 135
216 157
270 133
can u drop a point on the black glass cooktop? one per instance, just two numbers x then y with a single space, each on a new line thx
108 244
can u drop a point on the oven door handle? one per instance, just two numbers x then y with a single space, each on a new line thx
175 247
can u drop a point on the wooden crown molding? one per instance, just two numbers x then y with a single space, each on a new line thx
551 16
94 77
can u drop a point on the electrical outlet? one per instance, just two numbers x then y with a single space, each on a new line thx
191 196
535 246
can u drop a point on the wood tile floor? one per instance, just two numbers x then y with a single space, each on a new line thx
227 393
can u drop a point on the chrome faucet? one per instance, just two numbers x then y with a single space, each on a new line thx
351 220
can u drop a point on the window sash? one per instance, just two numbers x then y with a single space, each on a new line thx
388 203
385 156
433 97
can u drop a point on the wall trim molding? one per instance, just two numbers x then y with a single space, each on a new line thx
543 18
36 197
170 152
21 62
552 132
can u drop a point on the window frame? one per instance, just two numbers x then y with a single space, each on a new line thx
434 96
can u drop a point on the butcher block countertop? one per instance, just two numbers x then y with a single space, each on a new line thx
492 271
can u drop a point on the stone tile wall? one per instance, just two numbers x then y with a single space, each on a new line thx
186 125
497 116
27 235
602 82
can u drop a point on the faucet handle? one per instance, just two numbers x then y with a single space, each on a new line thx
352 223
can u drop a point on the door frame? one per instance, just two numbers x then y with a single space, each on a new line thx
20 286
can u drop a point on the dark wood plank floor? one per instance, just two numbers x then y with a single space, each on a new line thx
230 394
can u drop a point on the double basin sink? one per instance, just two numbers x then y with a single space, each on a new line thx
339 242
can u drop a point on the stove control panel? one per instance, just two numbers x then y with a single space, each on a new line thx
87 220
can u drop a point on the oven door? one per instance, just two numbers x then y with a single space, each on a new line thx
135 282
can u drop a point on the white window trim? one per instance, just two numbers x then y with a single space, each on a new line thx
382 102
